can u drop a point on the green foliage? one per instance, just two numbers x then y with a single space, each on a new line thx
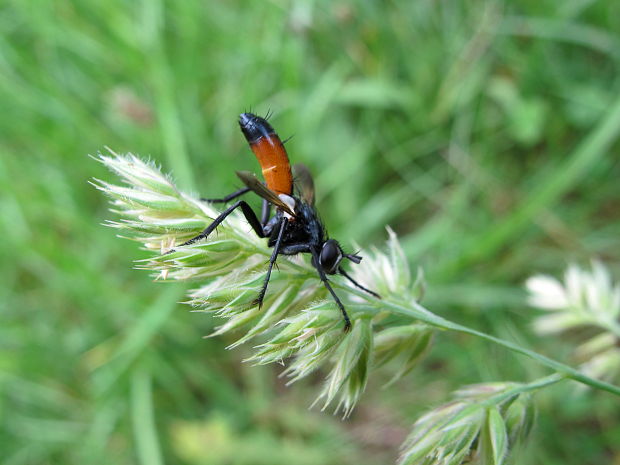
483 132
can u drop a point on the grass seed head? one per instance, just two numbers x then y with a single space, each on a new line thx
298 321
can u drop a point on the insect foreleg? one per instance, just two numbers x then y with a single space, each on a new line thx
347 321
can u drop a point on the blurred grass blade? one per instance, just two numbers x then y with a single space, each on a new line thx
546 193
137 339
143 419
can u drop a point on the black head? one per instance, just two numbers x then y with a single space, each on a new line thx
331 255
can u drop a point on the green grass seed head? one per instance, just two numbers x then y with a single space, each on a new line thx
298 323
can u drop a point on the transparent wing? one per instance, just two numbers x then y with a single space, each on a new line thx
251 181
304 183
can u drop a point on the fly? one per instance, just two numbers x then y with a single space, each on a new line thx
295 227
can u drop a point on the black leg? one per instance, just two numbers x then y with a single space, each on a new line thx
272 260
229 197
347 322
266 212
345 274
247 212
294 249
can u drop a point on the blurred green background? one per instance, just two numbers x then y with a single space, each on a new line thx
484 132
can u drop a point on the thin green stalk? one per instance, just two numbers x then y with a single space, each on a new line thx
526 387
420 313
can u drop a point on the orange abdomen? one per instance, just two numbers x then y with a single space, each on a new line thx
274 163
269 151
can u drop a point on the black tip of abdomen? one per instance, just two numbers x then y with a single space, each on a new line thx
254 127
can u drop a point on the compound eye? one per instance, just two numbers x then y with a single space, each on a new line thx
331 255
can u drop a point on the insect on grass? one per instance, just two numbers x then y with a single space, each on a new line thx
295 227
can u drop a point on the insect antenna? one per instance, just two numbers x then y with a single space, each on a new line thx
353 257
356 284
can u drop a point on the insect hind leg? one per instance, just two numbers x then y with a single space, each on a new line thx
265 212
229 197
247 212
